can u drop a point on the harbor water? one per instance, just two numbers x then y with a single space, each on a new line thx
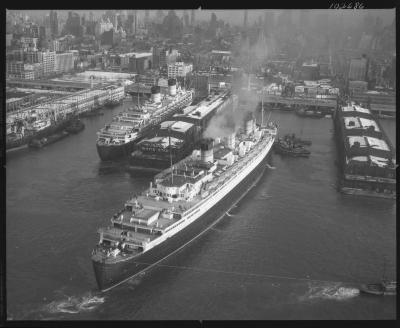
293 248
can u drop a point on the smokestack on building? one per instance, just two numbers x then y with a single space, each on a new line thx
172 87
249 124
206 147
155 94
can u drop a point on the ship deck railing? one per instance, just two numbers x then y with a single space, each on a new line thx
369 178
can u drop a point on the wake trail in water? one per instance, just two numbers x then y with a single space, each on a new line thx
74 304
263 196
329 291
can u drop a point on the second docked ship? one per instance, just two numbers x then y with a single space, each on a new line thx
118 138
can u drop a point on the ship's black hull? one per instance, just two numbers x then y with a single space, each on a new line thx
158 162
110 275
48 131
113 152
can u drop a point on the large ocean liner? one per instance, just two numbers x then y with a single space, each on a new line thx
118 138
181 203
177 138
366 154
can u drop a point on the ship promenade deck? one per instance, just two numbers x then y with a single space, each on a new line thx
221 176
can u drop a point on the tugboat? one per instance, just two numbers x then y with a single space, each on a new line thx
303 112
383 288
289 145
75 126
39 143
299 141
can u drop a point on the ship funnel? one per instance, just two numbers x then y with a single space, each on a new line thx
249 124
155 94
206 147
172 87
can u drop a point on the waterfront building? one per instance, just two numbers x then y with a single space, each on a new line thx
179 69
9 38
47 59
64 62
358 69
21 70
200 83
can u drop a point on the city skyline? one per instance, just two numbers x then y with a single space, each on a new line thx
231 16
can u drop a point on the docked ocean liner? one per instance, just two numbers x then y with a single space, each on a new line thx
176 139
181 203
367 156
117 139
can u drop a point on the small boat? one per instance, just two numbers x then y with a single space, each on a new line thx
382 288
310 113
285 148
297 141
75 126
39 143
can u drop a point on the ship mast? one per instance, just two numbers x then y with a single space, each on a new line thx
170 153
262 106
384 269
138 96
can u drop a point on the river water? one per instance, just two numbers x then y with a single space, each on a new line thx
293 248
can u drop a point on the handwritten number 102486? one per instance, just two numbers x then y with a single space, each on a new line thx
350 5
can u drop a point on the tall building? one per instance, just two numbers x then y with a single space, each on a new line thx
102 26
159 16
48 61
54 45
64 62
358 69
186 19
200 83
245 19
168 57
192 17
73 25
156 56
146 17
268 21
53 23
172 26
